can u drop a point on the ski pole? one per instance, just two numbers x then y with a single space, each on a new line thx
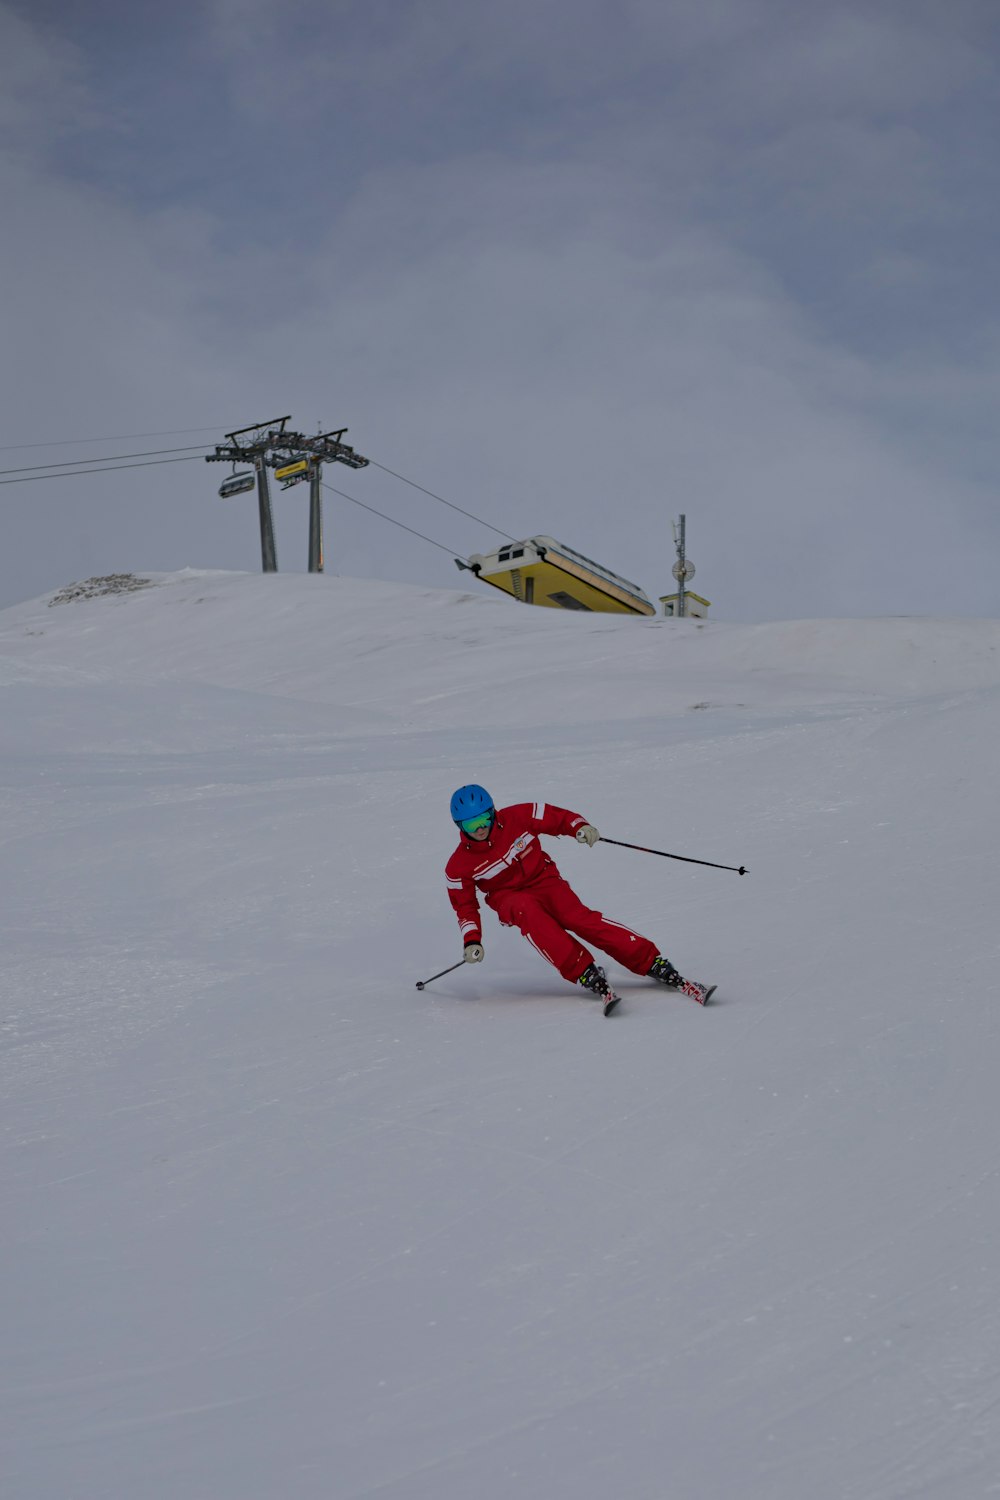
740 870
422 982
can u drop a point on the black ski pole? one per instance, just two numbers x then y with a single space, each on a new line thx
740 870
422 982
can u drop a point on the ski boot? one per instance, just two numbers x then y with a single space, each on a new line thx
594 979
664 972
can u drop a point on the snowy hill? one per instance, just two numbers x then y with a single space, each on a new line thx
279 1227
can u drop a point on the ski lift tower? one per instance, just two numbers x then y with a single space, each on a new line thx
294 457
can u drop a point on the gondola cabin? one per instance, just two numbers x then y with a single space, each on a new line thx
544 571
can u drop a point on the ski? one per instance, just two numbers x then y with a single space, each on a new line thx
610 1001
701 994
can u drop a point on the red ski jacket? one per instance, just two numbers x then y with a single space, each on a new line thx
510 859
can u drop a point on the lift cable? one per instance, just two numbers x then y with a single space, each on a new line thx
343 493
71 468
118 437
111 458
119 460
109 469
478 519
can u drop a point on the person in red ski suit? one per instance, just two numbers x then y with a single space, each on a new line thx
499 854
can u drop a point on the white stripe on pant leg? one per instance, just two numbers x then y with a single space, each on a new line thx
621 927
547 956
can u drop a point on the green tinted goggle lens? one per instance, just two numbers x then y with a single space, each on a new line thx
473 825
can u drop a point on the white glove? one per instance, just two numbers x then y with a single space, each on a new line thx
473 953
588 835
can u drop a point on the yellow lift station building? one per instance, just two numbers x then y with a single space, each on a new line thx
544 571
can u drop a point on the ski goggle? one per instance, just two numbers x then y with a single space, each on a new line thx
473 825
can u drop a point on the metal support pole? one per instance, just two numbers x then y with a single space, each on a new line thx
268 555
315 516
681 560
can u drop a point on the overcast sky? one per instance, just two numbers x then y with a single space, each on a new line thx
576 266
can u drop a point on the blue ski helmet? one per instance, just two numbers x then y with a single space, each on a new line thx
470 802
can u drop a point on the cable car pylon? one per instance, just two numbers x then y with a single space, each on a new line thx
295 457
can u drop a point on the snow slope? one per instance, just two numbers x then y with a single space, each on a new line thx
276 1226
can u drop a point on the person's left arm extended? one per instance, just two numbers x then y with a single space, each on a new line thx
546 818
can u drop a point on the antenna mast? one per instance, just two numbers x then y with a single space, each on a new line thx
682 569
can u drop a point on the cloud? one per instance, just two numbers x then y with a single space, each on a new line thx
42 87
575 278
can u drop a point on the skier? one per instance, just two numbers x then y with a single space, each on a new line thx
499 852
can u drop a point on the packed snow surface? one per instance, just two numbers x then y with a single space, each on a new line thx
278 1226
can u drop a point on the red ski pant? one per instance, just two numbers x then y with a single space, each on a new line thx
549 910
